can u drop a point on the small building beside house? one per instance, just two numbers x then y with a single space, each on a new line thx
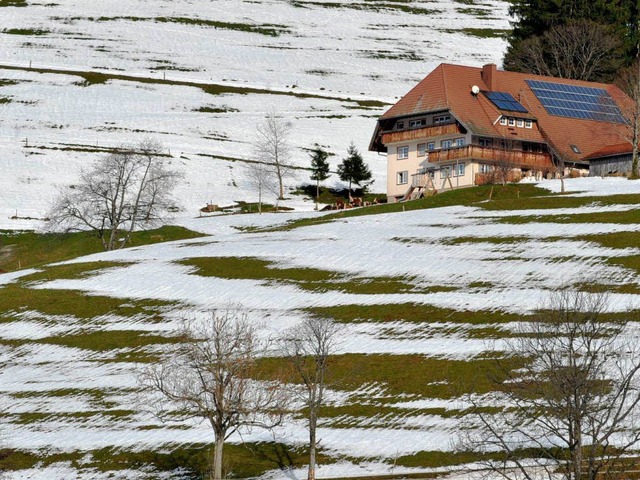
462 126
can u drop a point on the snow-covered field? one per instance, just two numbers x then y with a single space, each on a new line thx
339 51
320 65
512 278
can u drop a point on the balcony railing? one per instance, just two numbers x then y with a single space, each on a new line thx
419 133
517 158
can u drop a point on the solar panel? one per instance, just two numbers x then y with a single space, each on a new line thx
575 101
505 101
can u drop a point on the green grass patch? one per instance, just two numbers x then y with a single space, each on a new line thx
69 271
632 288
216 110
37 417
105 340
629 217
371 5
254 268
15 298
307 278
435 459
93 78
25 31
632 262
246 460
410 312
552 201
268 29
4 100
19 250
493 240
614 239
13 3
462 196
413 375
479 32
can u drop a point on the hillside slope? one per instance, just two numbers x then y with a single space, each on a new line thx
437 290
330 68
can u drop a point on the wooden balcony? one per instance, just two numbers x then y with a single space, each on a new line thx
419 133
519 159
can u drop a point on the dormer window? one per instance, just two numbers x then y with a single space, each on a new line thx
400 125
416 123
512 122
528 124
441 119
575 149
503 120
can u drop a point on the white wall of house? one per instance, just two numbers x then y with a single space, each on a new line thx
400 170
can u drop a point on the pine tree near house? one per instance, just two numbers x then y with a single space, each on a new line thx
319 169
353 169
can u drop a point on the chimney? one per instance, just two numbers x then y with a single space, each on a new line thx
489 76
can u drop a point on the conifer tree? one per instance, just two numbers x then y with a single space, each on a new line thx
319 169
353 169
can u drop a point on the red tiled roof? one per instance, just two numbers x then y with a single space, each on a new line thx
448 87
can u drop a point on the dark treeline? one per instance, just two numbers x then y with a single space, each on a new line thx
582 39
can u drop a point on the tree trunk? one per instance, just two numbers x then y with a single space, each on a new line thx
317 192
561 183
217 459
260 200
312 443
280 186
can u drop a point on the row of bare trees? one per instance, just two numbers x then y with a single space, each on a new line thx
569 410
215 374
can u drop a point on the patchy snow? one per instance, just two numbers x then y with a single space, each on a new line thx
321 60
594 186
54 123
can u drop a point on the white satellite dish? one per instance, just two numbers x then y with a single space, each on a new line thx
475 90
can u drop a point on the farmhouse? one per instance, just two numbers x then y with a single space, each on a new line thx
461 126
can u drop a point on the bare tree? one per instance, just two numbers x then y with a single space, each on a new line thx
309 347
272 148
261 177
579 50
629 83
128 189
574 405
210 376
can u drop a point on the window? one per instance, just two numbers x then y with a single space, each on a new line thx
445 144
459 142
484 168
503 120
458 170
528 124
431 146
403 152
442 119
485 142
445 172
422 149
400 125
416 123
575 149
402 178
512 122
520 123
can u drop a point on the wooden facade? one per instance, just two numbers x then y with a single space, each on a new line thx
418 133
518 158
